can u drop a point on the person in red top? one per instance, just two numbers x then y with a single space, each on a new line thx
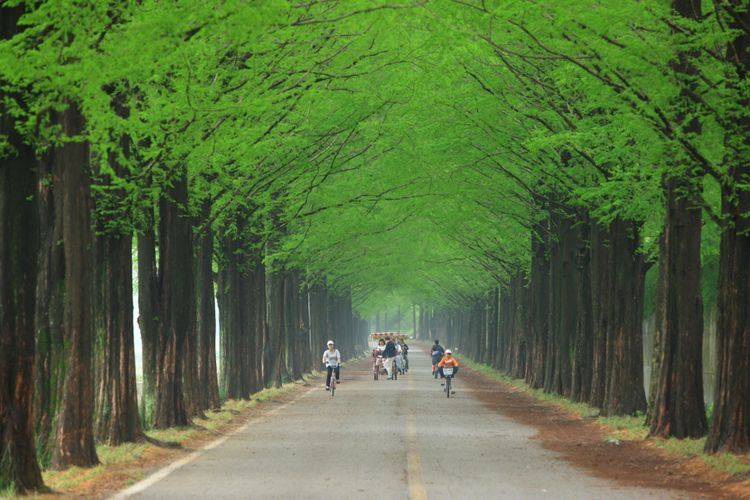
448 360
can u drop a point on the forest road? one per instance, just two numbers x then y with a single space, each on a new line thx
395 439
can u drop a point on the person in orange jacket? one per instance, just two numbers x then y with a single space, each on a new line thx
449 361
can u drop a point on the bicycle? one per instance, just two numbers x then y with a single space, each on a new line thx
333 381
394 370
448 373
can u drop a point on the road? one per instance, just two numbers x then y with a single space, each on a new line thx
395 439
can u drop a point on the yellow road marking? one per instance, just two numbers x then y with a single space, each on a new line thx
413 462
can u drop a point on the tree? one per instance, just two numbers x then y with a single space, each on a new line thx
19 241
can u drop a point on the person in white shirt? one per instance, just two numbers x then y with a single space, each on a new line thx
332 360
399 357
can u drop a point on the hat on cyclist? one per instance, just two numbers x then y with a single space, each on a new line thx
330 342
448 351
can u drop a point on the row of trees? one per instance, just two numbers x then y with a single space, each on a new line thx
638 121
173 137
513 167
554 152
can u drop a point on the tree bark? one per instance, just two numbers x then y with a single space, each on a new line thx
563 301
624 393
74 437
584 337
50 307
539 303
148 318
730 425
274 318
678 407
117 419
177 308
206 318
19 241
601 305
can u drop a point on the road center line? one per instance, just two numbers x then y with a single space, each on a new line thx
413 462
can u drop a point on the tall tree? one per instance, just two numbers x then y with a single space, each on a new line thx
74 436
19 240
730 427
177 302
678 407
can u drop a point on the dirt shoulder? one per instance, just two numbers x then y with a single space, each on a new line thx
584 443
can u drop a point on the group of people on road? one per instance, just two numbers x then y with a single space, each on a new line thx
390 350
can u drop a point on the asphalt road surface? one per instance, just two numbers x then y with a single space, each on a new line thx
385 439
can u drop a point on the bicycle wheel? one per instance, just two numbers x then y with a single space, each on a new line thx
447 387
394 371
333 386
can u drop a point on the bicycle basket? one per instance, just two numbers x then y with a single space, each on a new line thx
448 371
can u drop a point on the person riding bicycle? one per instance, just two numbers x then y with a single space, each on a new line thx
389 352
332 360
448 361
399 357
437 355
405 354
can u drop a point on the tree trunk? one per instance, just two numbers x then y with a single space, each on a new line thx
206 319
539 303
117 419
49 311
19 240
259 328
74 437
563 274
177 304
584 336
679 409
274 317
414 330
730 425
601 305
624 393
148 319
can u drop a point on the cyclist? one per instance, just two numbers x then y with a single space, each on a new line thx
405 354
449 361
332 360
389 352
437 355
399 357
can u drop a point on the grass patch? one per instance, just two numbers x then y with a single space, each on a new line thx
126 452
628 428
625 428
724 462
71 478
173 434
581 409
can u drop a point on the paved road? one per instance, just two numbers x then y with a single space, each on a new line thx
395 439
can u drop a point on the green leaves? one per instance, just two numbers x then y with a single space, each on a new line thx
394 148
